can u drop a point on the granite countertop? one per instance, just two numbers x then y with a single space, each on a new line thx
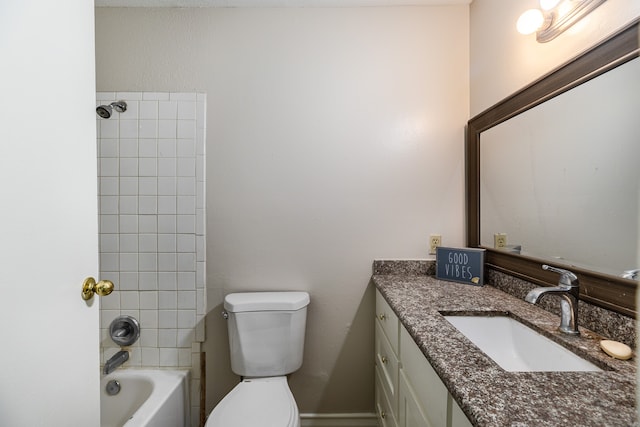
491 396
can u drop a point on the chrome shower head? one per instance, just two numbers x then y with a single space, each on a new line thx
105 111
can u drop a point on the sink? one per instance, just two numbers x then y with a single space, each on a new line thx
516 347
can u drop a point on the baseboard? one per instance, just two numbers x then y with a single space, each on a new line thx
339 420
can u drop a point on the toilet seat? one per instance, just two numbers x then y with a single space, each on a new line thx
264 402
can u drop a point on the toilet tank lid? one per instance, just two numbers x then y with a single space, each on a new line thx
266 301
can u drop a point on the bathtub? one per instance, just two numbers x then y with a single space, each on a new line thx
147 398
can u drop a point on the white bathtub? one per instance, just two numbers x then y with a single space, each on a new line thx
147 398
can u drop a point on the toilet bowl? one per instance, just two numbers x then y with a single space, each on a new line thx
266 343
263 402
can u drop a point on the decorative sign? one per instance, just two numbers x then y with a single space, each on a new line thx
463 265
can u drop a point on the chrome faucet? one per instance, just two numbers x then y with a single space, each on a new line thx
568 289
116 360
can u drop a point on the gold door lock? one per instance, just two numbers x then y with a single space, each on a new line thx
90 287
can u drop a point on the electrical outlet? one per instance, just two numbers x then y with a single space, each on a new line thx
499 240
435 240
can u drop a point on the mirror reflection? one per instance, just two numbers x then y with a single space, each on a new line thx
562 180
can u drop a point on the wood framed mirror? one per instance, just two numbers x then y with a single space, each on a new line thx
604 289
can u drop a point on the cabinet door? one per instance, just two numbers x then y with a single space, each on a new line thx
410 411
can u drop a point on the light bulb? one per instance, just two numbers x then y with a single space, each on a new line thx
530 21
548 4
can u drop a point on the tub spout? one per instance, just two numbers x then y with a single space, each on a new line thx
116 360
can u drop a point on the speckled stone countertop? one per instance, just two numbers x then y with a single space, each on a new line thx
491 396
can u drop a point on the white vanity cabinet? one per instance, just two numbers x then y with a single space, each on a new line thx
409 393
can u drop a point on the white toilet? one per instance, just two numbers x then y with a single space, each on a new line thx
266 339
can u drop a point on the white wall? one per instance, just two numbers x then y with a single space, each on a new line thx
503 61
334 137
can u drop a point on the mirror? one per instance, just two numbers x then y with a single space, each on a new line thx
555 168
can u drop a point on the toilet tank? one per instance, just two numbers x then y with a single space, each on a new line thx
266 332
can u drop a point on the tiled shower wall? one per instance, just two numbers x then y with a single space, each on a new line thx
152 227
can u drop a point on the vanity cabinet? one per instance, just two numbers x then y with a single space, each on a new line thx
408 392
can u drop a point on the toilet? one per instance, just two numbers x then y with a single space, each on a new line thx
266 341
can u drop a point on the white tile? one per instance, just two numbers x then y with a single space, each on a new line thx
183 96
201 274
128 167
148 110
201 111
167 166
186 318
167 262
147 186
186 224
166 205
148 242
186 110
108 128
200 195
148 335
167 319
132 111
109 186
186 280
166 242
128 223
156 96
108 147
148 281
128 205
186 129
166 223
186 205
167 300
135 356
200 142
167 280
148 166
167 338
200 168
128 262
147 147
128 147
109 262
167 147
186 262
147 224
148 262
150 356
201 246
168 357
186 243
107 316
109 243
149 318
129 186
186 186
187 300
109 166
109 205
167 129
201 308
129 300
201 222
111 303
168 110
184 347
148 300
199 329
129 129
186 148
109 224
148 205
148 129
186 166
129 243
128 281
167 185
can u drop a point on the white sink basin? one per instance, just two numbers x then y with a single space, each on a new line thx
516 347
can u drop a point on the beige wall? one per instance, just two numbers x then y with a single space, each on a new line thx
334 137
503 61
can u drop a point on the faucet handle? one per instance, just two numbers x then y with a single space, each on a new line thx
567 278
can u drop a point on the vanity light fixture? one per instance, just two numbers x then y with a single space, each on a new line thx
554 17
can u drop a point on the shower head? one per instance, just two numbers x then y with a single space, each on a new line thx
105 111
